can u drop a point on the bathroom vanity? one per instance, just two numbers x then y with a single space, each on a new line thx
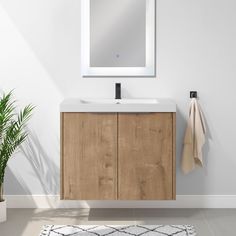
118 149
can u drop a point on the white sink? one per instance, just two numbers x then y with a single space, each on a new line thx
120 101
118 105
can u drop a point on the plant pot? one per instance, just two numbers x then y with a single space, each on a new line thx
3 211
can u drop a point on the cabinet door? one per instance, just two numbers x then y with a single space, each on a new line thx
145 156
89 156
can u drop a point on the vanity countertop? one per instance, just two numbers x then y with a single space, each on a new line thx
118 105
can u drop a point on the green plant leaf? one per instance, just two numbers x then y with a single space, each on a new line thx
12 129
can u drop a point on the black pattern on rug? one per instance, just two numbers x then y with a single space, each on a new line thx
118 230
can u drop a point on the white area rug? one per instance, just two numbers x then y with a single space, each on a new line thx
118 230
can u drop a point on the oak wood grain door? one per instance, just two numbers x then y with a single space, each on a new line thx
89 156
145 156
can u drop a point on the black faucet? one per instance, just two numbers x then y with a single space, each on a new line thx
118 91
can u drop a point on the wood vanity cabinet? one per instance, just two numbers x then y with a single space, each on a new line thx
118 156
89 156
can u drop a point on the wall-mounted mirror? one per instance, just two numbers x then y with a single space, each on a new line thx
118 38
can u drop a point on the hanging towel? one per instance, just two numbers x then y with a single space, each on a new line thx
194 138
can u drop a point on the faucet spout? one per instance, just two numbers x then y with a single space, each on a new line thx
118 91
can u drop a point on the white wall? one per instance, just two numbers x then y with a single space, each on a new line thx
40 58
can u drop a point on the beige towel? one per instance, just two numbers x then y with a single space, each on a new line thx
194 138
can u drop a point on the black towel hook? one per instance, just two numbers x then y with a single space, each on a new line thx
193 94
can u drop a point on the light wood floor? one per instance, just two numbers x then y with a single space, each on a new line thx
208 222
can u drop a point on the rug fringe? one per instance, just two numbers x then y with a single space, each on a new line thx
191 230
46 230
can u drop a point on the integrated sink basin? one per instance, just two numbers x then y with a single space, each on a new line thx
118 105
120 101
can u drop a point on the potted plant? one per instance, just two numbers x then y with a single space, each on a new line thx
12 135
